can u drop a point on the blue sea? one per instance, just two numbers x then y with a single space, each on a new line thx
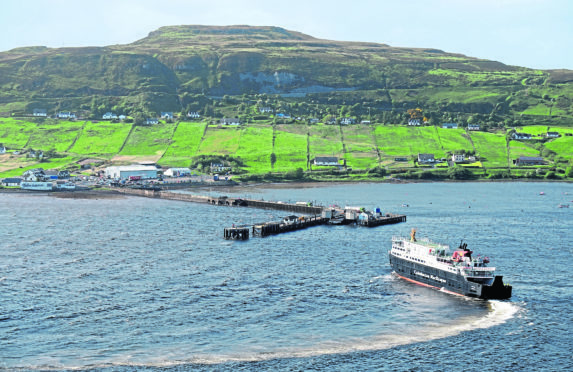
130 283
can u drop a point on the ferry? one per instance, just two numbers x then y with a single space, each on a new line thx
432 265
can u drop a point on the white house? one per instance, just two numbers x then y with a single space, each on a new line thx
167 115
128 171
365 122
414 122
40 112
326 161
473 126
66 115
109 116
177 172
265 109
458 158
230 121
11 181
2 149
347 121
193 115
552 134
150 121
215 167
523 136
426 158
34 175
450 126
313 120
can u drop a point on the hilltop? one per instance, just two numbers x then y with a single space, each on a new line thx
170 68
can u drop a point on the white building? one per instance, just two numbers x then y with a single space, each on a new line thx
458 158
177 172
131 171
326 161
109 116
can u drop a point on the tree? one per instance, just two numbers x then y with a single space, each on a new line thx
569 172
459 173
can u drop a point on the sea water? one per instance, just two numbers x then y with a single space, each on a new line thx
134 283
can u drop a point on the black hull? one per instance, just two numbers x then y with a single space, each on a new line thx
449 282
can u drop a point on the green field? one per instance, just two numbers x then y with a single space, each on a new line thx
518 148
403 141
15 133
148 140
491 148
290 150
360 148
103 139
184 144
325 141
220 141
55 135
255 148
562 146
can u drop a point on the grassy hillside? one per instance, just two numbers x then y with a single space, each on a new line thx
268 147
179 68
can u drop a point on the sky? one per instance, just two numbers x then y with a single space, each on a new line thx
529 33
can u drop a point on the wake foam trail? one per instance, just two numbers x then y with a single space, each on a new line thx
499 313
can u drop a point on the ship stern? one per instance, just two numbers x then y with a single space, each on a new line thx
497 290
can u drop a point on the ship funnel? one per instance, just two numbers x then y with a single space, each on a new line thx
413 235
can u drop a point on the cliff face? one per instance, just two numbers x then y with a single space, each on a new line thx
178 60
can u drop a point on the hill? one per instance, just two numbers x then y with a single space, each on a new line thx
174 67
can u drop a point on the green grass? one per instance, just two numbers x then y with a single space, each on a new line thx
255 148
55 135
102 139
220 141
184 144
149 140
562 146
518 148
454 139
325 141
402 141
290 150
491 148
15 133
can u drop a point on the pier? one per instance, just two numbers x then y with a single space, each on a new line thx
273 228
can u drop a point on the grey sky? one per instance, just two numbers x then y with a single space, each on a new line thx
530 33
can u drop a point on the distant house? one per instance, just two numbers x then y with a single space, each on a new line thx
529 160
177 172
35 154
109 116
401 158
313 120
365 122
230 121
167 115
473 126
347 121
552 134
265 110
326 161
450 126
2 149
134 172
151 121
219 168
193 115
283 115
426 158
521 136
414 122
11 181
34 175
66 115
63 174
40 112
122 117
332 120
458 158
